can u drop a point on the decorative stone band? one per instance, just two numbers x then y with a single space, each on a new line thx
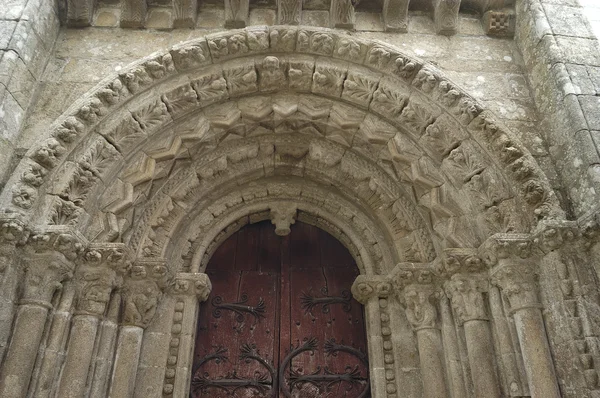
191 284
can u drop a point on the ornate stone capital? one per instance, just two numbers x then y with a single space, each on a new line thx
420 310
518 281
191 284
94 285
101 270
466 294
142 290
44 274
366 287
506 246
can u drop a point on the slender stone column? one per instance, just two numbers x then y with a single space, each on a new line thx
56 343
95 281
512 375
369 291
106 349
141 294
190 290
466 292
422 315
450 340
44 273
516 277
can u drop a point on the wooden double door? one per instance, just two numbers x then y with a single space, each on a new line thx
280 320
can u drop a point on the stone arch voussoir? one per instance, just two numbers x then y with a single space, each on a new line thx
408 118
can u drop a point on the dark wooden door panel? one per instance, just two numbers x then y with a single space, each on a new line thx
280 321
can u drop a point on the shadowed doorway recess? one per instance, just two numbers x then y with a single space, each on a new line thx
281 321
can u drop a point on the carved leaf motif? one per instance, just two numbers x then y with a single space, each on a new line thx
388 102
462 164
100 157
241 80
283 39
487 188
218 47
289 12
417 116
152 115
210 87
127 133
359 88
440 139
405 67
180 99
321 43
425 80
237 44
328 80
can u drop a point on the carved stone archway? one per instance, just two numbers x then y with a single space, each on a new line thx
111 218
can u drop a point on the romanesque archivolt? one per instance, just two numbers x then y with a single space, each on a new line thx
412 125
159 165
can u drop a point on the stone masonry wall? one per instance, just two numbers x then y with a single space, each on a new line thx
563 57
28 31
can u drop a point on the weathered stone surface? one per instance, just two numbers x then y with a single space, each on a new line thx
401 160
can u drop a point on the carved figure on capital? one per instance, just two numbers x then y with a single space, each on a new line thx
141 295
420 310
94 286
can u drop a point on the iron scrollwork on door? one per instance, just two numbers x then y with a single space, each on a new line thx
309 302
241 308
323 378
261 382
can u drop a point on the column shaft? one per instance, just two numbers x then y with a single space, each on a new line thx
79 357
106 349
22 351
455 373
56 344
536 353
481 357
126 361
432 368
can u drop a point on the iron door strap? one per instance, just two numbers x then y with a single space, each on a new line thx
240 308
323 378
261 382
